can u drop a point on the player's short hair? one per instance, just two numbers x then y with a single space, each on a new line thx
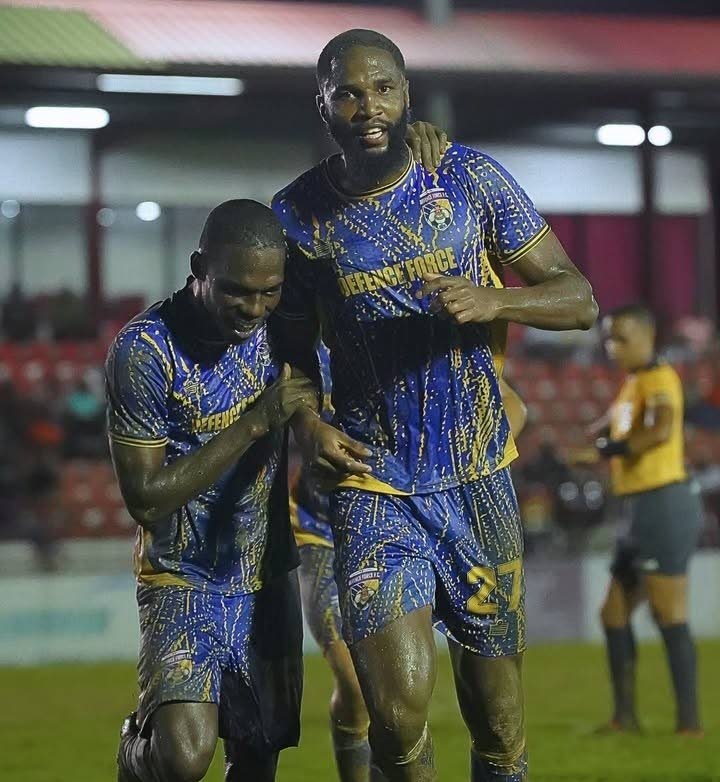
637 312
244 223
350 39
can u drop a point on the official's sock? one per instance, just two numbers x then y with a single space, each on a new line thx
681 656
621 656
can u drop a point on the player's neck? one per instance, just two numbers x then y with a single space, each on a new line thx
358 176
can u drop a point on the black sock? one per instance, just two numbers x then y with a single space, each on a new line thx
136 762
682 660
352 753
621 656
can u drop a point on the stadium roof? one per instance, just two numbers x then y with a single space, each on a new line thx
223 35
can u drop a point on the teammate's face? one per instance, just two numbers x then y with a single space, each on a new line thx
628 343
241 287
365 104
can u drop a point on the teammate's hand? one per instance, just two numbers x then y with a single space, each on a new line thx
428 143
284 398
330 453
459 299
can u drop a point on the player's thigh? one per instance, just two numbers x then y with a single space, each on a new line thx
180 652
383 567
320 603
490 694
620 601
184 738
478 560
397 669
668 597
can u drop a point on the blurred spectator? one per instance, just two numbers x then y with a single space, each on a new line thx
69 316
19 318
84 423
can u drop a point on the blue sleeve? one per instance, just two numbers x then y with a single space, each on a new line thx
137 382
511 223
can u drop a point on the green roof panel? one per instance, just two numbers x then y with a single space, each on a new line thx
49 36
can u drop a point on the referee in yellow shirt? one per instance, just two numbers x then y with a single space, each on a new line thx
645 446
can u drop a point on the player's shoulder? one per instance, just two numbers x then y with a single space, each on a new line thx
663 375
459 157
293 199
146 334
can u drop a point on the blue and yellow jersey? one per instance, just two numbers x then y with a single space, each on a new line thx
309 508
165 389
641 394
421 392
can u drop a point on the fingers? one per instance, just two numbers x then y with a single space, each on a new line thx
353 446
439 282
436 153
286 372
413 141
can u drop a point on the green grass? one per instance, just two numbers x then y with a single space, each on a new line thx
59 723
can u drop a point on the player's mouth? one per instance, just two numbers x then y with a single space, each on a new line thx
372 137
242 329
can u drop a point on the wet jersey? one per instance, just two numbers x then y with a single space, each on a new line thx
166 389
421 392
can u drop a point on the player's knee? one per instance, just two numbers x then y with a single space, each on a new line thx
185 760
502 735
397 727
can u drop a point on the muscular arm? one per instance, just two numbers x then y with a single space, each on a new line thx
153 489
558 297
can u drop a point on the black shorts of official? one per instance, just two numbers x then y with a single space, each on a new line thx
665 524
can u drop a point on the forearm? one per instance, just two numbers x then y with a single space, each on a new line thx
561 303
645 439
183 479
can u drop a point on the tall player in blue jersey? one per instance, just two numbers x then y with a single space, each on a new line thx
197 406
399 268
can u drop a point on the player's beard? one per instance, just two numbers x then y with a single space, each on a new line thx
372 167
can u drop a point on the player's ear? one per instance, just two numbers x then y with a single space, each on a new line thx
198 267
322 109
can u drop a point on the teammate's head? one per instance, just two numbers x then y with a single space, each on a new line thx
364 96
630 336
239 267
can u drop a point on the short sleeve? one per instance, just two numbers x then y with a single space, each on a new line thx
661 387
137 383
512 224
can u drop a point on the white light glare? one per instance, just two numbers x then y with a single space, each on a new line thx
66 117
10 208
659 135
620 135
169 85
148 211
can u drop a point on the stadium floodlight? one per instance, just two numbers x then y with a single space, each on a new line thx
169 85
10 208
147 211
660 135
620 135
66 117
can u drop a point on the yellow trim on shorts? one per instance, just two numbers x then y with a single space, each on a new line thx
162 580
305 538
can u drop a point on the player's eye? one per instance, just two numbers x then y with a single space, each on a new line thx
384 89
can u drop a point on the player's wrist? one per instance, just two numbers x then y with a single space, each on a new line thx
608 447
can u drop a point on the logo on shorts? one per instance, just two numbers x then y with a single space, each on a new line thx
177 667
436 209
363 585
499 628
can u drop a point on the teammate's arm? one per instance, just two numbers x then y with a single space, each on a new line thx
152 489
515 408
427 143
557 296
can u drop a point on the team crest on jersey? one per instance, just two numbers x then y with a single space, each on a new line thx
363 585
177 667
436 209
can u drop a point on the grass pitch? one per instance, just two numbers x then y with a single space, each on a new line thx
60 723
